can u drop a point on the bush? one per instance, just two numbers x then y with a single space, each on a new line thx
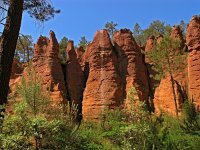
35 123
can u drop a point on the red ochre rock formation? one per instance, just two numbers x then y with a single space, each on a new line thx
100 77
103 88
149 43
16 73
131 65
16 69
74 74
47 66
163 96
159 38
176 33
193 43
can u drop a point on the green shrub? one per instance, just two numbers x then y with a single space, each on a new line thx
35 123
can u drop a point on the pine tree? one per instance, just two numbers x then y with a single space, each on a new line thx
111 27
83 42
40 10
62 49
166 60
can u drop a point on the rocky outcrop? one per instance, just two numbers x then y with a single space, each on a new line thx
75 80
163 97
16 69
159 38
149 45
16 72
103 88
193 43
176 33
100 77
131 64
47 66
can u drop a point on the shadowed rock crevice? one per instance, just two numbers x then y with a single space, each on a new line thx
75 78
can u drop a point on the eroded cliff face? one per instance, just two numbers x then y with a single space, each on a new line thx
75 80
176 33
16 72
131 65
47 66
193 43
100 77
103 88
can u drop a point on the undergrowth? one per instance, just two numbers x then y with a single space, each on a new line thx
37 124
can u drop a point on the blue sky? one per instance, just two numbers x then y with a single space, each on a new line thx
84 17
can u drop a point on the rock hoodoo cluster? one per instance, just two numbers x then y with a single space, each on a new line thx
47 66
99 77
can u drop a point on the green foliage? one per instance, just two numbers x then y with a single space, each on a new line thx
155 28
83 42
32 93
191 120
183 27
111 27
40 10
165 56
35 123
167 59
62 49
138 34
135 128
24 48
53 127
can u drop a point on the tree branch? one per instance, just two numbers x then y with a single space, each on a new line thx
3 8
2 23
3 19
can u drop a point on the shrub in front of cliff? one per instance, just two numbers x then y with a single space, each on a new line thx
35 123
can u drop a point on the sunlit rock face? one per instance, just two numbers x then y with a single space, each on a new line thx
193 43
149 46
163 97
178 35
103 88
47 66
131 65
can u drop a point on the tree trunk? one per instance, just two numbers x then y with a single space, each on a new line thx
172 83
174 93
27 54
8 45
